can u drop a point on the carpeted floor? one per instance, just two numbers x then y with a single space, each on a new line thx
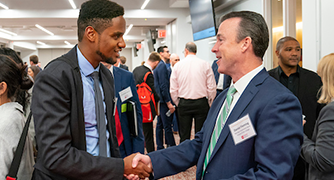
189 174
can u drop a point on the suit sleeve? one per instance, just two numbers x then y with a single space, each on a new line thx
210 85
138 142
177 158
51 108
214 68
319 153
150 82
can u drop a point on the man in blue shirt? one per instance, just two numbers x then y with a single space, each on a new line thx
66 121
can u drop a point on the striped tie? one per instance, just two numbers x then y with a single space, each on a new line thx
219 126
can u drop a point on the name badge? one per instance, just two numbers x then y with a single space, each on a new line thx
242 129
125 94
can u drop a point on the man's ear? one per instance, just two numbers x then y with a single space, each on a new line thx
277 53
91 33
3 88
246 43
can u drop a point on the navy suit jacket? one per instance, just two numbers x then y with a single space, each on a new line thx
125 67
161 82
124 79
277 119
227 78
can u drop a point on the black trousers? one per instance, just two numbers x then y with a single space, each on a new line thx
148 133
189 109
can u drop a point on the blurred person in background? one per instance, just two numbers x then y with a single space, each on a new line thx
24 94
318 150
33 71
122 64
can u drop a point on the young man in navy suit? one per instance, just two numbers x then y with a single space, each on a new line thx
254 129
161 83
124 84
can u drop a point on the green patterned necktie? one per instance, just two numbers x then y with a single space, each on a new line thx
219 126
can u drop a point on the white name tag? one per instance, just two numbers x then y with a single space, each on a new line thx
242 129
125 94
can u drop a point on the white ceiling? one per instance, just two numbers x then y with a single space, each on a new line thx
58 17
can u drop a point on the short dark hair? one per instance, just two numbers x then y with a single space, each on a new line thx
98 14
34 59
281 41
11 74
123 59
154 56
253 25
161 49
191 47
12 54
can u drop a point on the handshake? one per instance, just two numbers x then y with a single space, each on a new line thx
137 166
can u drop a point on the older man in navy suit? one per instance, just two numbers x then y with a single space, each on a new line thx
253 129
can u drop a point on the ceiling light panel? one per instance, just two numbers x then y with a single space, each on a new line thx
72 4
3 6
145 4
41 43
8 32
43 29
128 29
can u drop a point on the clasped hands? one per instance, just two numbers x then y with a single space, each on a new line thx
137 166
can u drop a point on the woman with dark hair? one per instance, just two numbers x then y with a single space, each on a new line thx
12 120
33 71
23 96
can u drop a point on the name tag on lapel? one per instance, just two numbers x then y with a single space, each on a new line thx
125 94
242 129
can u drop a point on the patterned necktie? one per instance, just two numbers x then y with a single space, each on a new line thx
219 126
100 115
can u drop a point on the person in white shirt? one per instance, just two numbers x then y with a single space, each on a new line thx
192 89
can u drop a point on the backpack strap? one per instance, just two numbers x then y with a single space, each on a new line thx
18 153
145 77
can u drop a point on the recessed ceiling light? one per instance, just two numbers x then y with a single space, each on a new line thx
8 32
145 4
41 43
3 6
43 29
72 4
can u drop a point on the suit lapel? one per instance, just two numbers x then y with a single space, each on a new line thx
118 87
211 120
236 113
303 82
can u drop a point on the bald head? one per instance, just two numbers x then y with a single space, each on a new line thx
191 47
174 58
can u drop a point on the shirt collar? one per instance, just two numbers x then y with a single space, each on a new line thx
148 66
243 82
112 69
281 72
85 66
